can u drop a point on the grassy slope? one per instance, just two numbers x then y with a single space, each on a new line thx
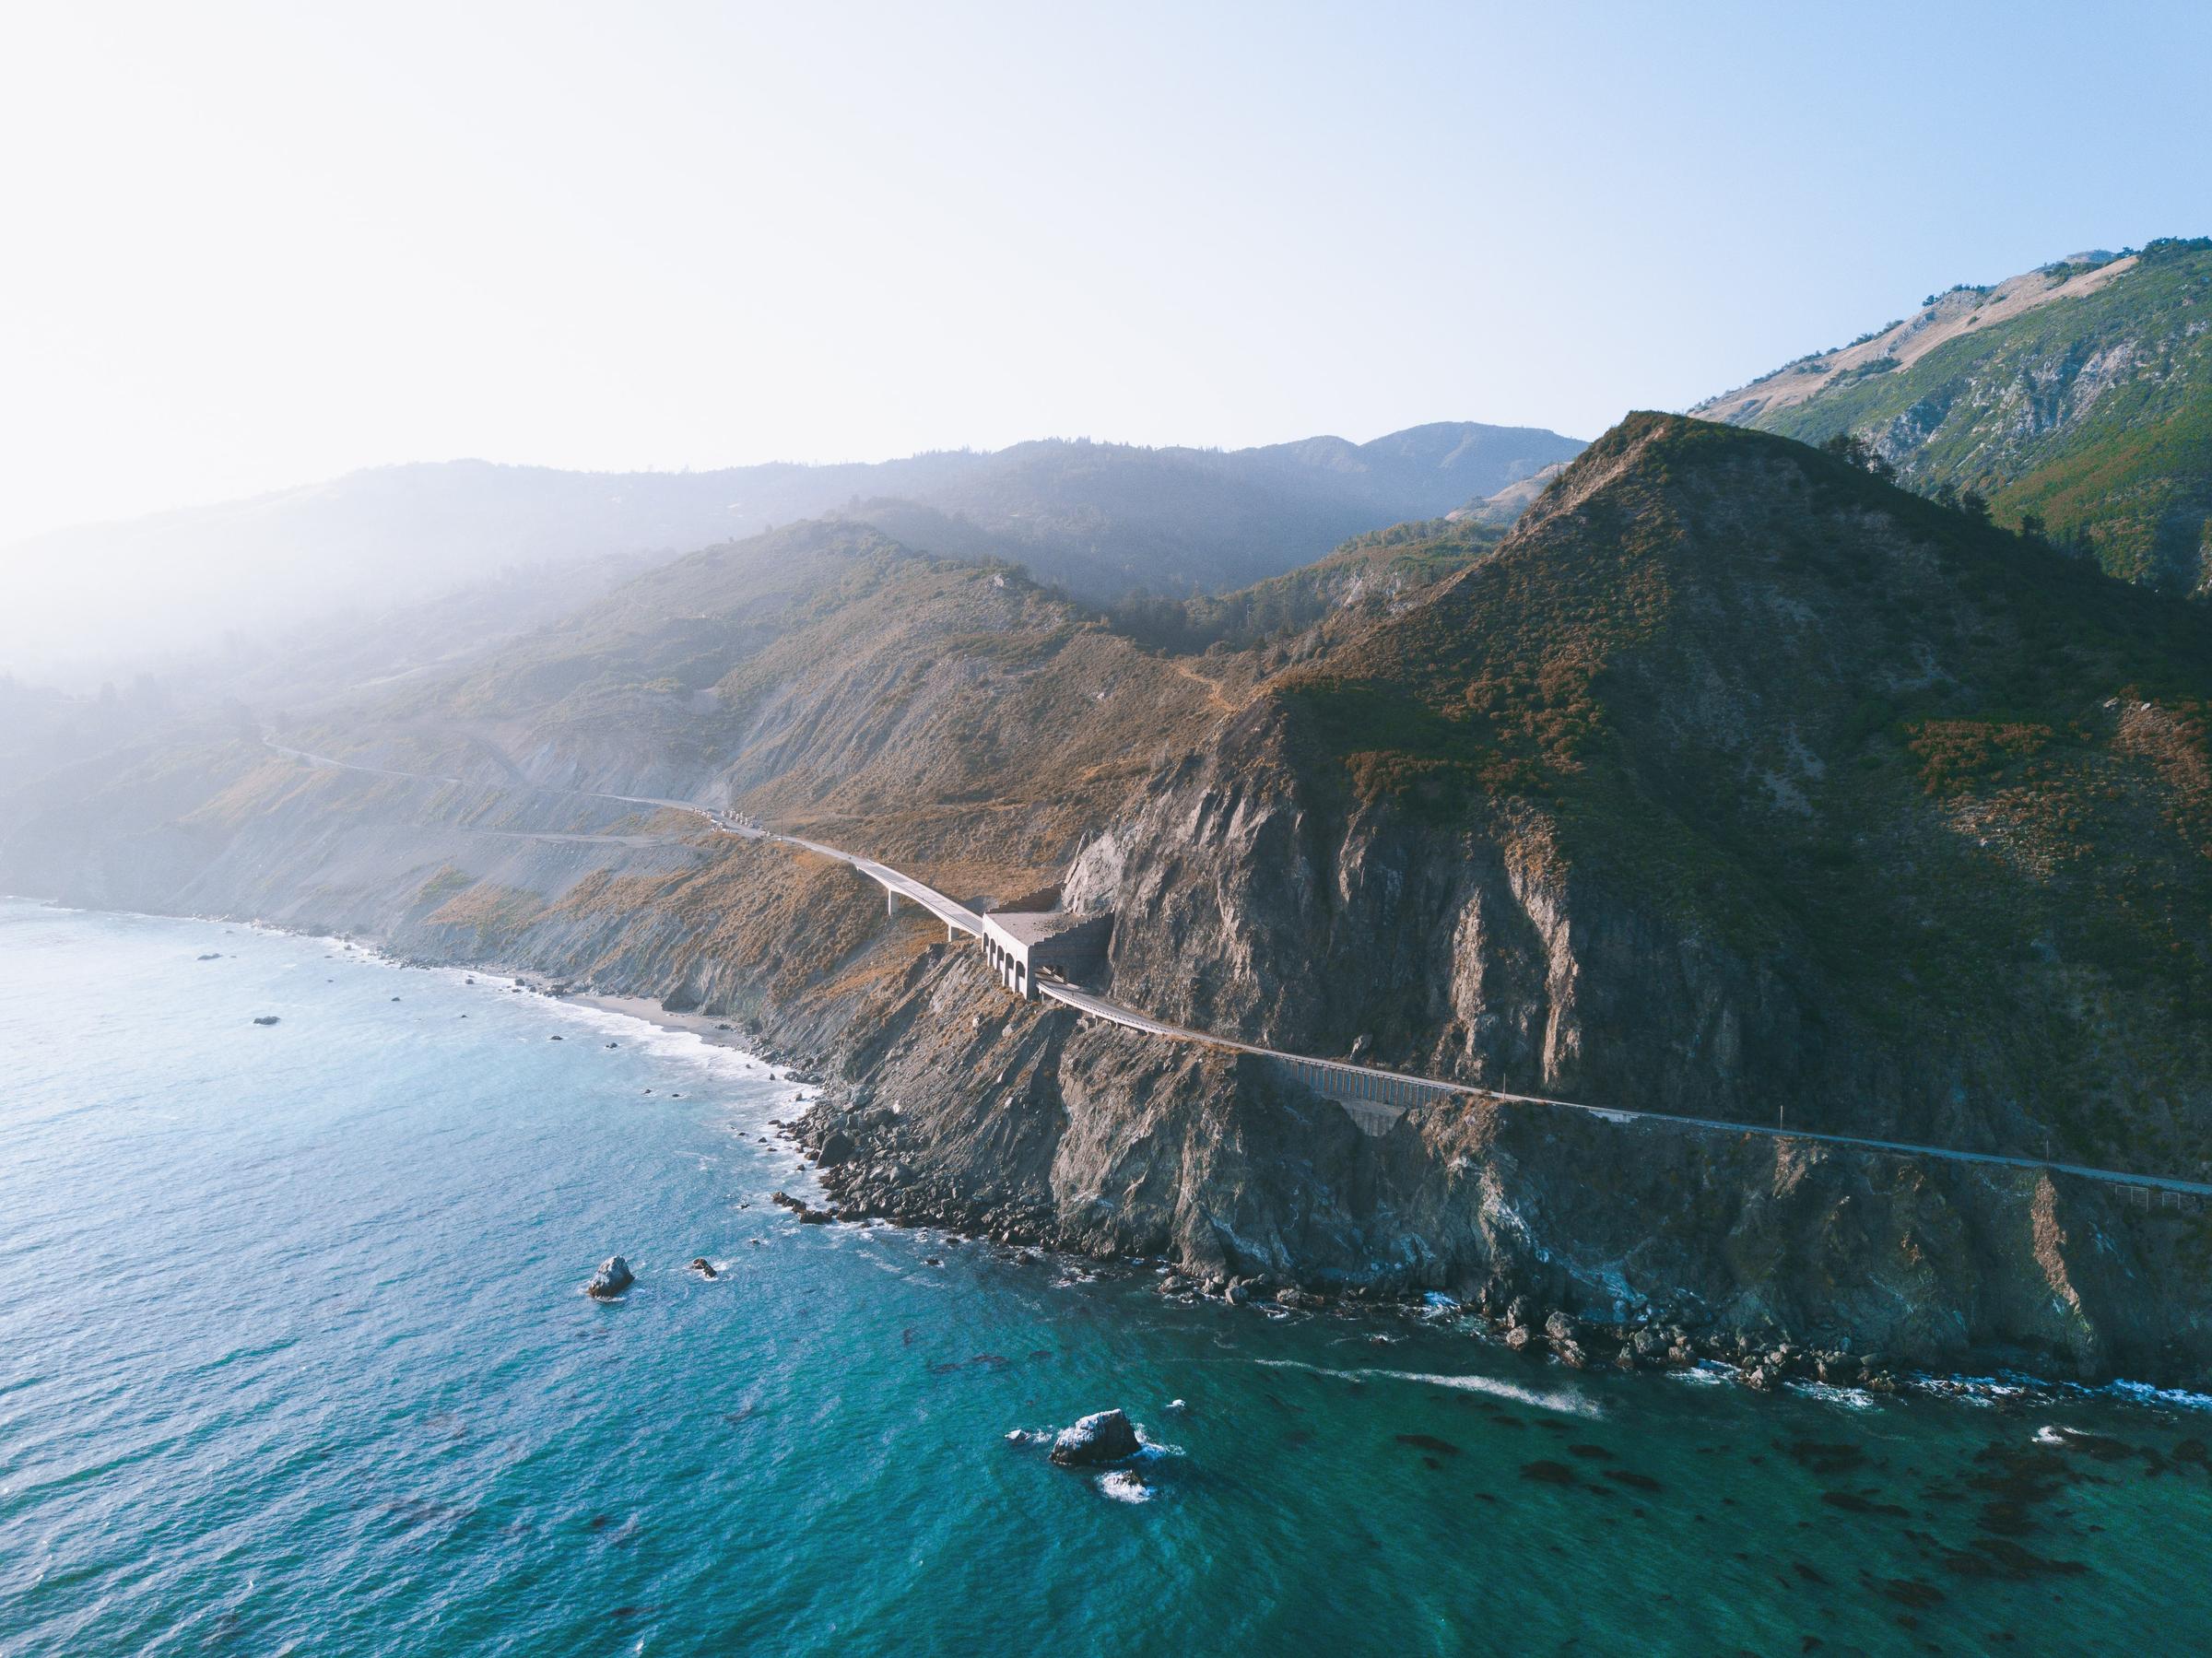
1365 576
2003 411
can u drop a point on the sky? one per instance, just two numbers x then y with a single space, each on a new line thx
247 246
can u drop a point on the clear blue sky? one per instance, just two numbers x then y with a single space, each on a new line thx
250 245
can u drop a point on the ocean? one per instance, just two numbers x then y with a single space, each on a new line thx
295 1358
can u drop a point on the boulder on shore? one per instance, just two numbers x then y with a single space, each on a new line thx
1104 1436
612 1278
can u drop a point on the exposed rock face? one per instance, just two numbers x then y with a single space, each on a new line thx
1102 1436
613 1278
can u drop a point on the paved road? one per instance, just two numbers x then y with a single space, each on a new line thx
1371 1082
1101 1008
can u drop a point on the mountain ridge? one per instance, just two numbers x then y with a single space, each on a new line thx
1100 520
2075 399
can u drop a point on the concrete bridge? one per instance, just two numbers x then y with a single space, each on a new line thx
1373 1098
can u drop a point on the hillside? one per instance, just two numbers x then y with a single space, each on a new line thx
1500 508
1730 777
1100 520
826 676
1367 576
2079 395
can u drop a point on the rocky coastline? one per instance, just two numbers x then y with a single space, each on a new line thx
942 1100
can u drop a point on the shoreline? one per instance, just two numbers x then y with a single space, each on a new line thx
720 1033
1982 1386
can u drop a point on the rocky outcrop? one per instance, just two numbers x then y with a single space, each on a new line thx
613 1278
1103 1436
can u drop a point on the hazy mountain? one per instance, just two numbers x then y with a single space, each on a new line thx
2079 393
1099 519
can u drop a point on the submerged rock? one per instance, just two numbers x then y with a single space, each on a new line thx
612 1278
1104 1436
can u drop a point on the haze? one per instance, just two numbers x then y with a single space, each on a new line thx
257 245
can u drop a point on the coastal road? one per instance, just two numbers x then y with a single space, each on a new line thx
1394 1084
1365 1090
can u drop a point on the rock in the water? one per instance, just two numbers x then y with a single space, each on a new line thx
703 1267
211 956
1125 1485
612 1278
1104 1436
267 1018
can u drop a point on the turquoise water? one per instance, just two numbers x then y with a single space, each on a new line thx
293 1358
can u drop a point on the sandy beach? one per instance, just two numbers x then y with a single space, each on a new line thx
722 1033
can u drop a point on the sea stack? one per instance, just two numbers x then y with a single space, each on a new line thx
1104 1436
612 1278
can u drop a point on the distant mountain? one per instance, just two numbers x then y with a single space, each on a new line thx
2079 393
1101 519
